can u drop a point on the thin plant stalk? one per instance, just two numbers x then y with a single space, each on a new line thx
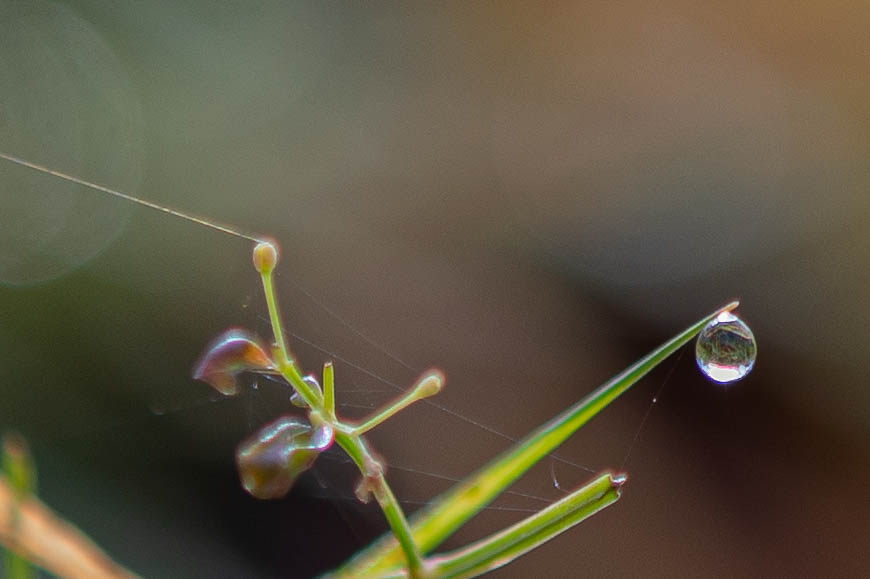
348 437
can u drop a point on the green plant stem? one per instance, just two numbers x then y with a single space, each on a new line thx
452 509
387 412
323 404
286 365
373 479
329 390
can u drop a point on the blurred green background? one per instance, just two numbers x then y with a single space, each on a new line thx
528 196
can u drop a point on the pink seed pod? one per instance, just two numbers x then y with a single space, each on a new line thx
233 352
273 458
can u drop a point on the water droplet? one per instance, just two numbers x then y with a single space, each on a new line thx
726 349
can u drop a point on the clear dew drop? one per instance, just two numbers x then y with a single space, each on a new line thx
726 349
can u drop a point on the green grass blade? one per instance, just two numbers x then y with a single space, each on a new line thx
451 510
503 547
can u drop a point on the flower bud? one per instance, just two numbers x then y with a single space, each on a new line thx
265 257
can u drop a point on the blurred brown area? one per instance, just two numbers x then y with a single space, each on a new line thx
529 196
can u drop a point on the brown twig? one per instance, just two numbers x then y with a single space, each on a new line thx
31 529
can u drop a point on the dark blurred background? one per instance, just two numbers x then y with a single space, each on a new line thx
529 196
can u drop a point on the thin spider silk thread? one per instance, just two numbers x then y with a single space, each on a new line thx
244 235
652 403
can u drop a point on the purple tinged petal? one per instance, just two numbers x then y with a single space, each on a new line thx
270 461
233 352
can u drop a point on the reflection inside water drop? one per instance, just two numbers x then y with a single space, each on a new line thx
726 349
